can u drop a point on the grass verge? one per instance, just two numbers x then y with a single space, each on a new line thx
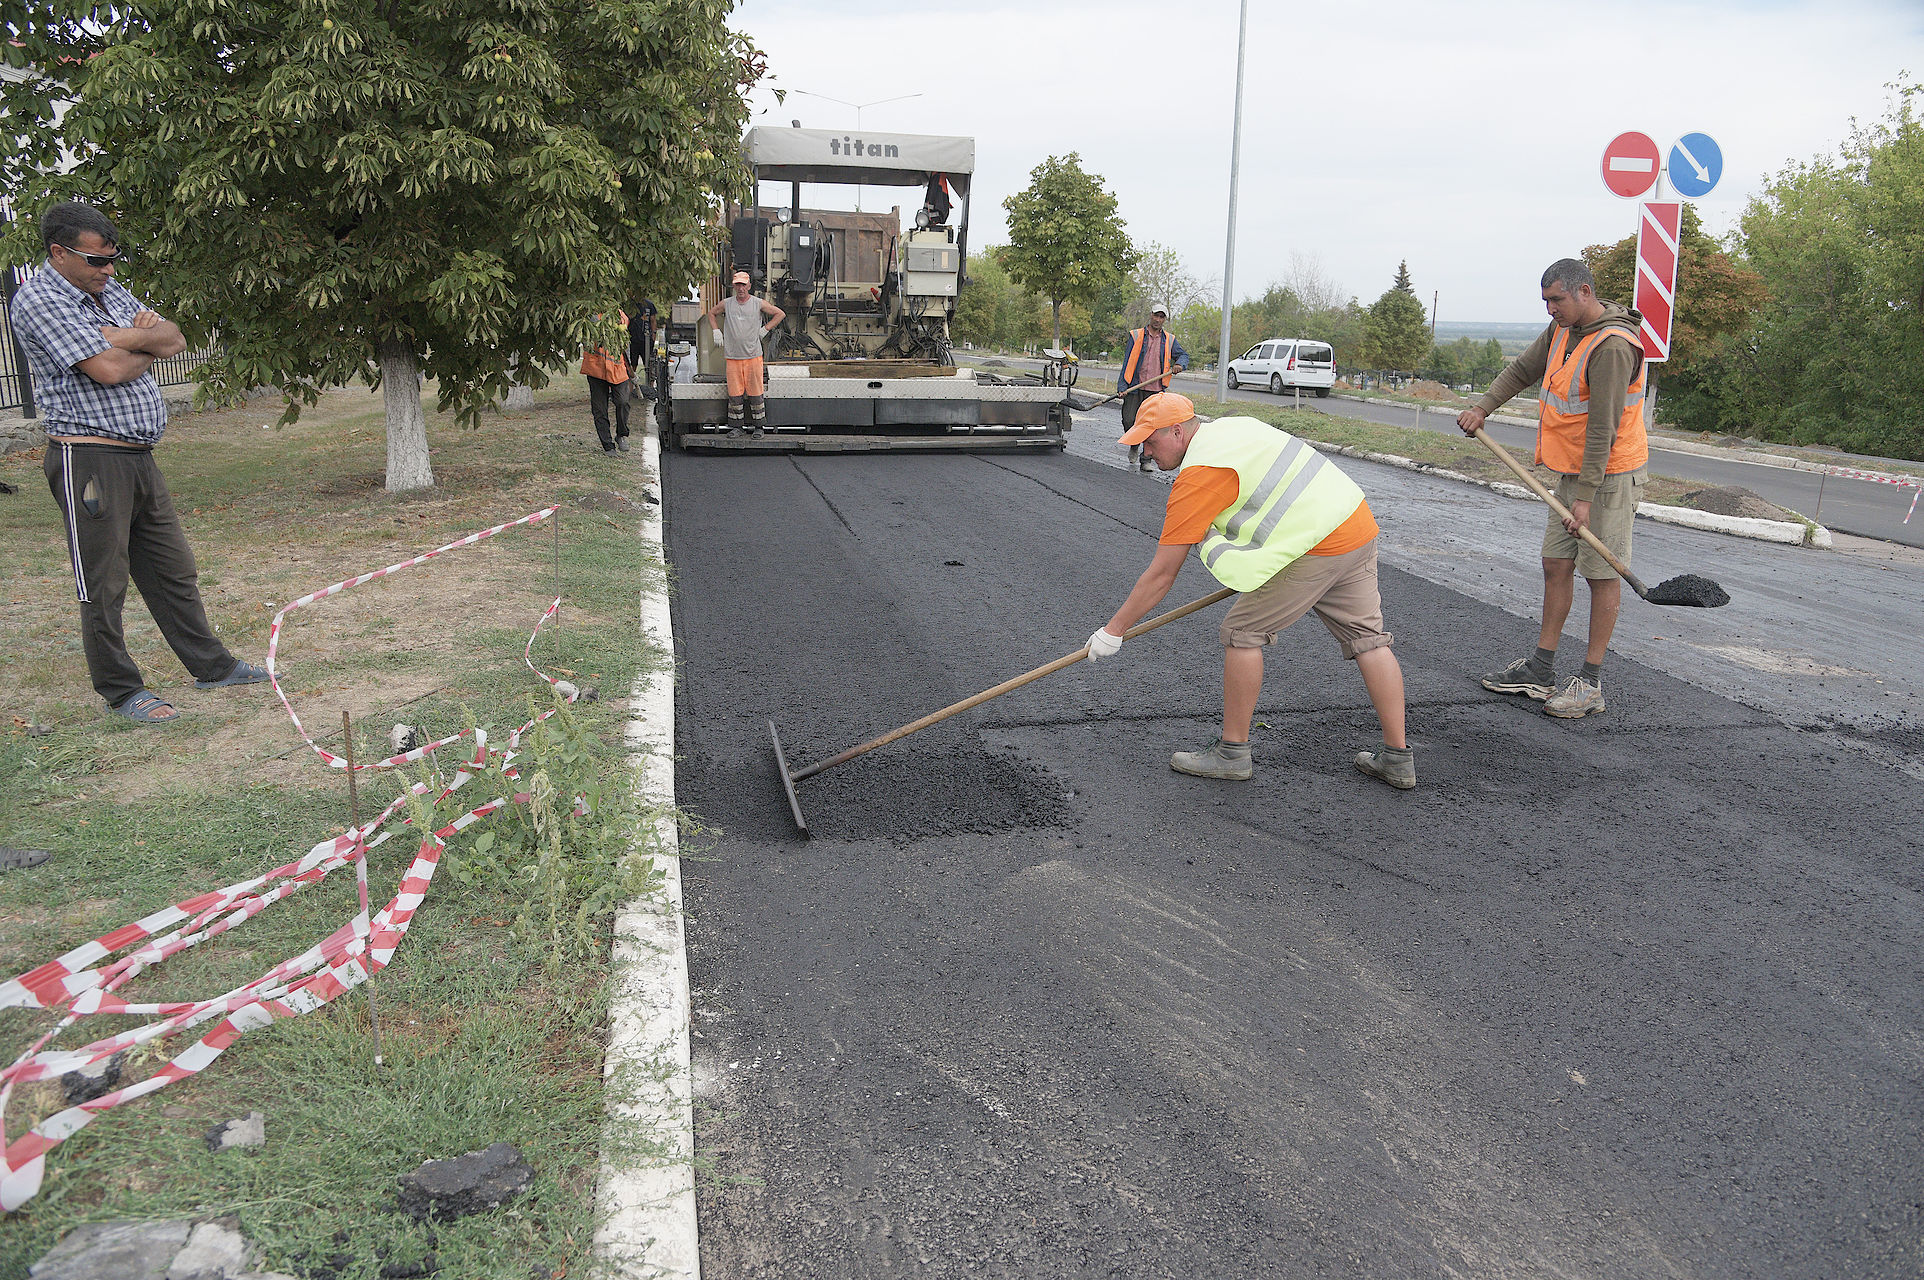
492 1028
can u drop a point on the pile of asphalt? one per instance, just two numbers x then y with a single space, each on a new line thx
916 788
1689 589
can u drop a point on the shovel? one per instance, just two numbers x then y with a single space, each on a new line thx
1049 668
1686 589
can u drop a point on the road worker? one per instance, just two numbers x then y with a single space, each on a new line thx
1277 521
1590 432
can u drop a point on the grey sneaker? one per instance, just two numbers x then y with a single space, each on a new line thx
1215 761
1396 767
621 443
1578 698
1518 678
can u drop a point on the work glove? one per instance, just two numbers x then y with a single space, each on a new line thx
1103 645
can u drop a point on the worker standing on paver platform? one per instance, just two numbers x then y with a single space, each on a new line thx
1590 431
1154 353
740 320
1282 524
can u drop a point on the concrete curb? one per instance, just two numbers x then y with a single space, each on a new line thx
648 1209
1791 533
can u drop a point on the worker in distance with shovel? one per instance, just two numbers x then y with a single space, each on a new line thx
1280 523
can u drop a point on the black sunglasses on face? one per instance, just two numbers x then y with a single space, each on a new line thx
95 259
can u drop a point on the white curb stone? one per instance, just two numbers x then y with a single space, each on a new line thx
648 1206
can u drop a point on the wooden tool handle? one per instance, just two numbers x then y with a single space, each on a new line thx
1595 543
1049 668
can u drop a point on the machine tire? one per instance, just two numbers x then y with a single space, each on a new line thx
1322 393
1275 384
1233 384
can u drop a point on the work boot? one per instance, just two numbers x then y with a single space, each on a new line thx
1394 765
621 443
1520 677
1219 760
1578 698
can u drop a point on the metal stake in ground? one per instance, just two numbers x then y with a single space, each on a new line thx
1050 668
360 876
1685 589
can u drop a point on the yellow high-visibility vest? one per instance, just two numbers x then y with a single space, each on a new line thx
1289 497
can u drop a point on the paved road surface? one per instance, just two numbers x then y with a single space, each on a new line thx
1852 506
1635 996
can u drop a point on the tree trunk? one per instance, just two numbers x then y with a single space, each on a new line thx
407 426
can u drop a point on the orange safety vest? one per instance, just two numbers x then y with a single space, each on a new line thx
599 364
1135 353
1563 411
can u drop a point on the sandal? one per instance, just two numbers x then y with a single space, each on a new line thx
21 859
243 673
141 708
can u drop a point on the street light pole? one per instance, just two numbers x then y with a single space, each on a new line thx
858 108
1229 251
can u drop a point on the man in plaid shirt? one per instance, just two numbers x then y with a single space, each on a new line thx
90 344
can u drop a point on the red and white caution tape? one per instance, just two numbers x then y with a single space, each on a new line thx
84 982
1884 477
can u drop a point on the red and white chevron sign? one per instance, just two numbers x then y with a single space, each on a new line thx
1658 226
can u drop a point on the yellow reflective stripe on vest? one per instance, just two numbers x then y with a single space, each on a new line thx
1260 494
1213 554
1291 498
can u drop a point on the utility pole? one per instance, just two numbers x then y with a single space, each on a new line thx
1434 295
1229 249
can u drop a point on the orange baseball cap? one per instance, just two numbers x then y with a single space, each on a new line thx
1164 409
740 277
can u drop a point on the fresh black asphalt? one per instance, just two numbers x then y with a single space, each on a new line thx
1632 996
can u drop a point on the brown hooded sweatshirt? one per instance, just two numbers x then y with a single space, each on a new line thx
1613 363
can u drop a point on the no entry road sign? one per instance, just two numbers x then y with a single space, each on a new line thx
1695 164
1630 164
1656 294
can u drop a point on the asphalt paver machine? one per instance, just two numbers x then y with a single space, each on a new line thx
863 360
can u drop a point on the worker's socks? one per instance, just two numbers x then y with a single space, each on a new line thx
1593 672
1543 665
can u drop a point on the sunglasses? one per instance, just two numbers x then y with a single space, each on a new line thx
95 259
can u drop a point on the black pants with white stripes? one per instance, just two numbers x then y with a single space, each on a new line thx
121 526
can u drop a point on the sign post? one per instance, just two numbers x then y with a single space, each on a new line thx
1659 227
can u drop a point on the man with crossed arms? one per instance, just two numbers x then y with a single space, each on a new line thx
91 345
1276 520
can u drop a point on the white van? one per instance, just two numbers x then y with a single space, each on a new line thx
1283 364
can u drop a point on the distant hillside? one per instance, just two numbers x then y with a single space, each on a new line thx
1513 336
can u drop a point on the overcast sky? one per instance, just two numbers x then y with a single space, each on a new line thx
1463 136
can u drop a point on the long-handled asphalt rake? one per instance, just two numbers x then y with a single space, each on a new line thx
1050 668
1686 589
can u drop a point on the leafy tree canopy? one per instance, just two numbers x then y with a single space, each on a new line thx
1396 333
1066 241
354 190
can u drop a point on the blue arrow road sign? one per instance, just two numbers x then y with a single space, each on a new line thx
1696 162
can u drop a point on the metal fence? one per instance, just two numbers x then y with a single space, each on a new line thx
16 380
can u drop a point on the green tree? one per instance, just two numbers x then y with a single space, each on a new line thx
1066 242
370 190
1396 333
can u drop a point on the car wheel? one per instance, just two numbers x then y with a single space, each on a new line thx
1322 393
1275 384
1233 384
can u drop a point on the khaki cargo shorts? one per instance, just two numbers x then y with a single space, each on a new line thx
1613 512
1341 589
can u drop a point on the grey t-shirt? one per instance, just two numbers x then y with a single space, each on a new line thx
741 328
